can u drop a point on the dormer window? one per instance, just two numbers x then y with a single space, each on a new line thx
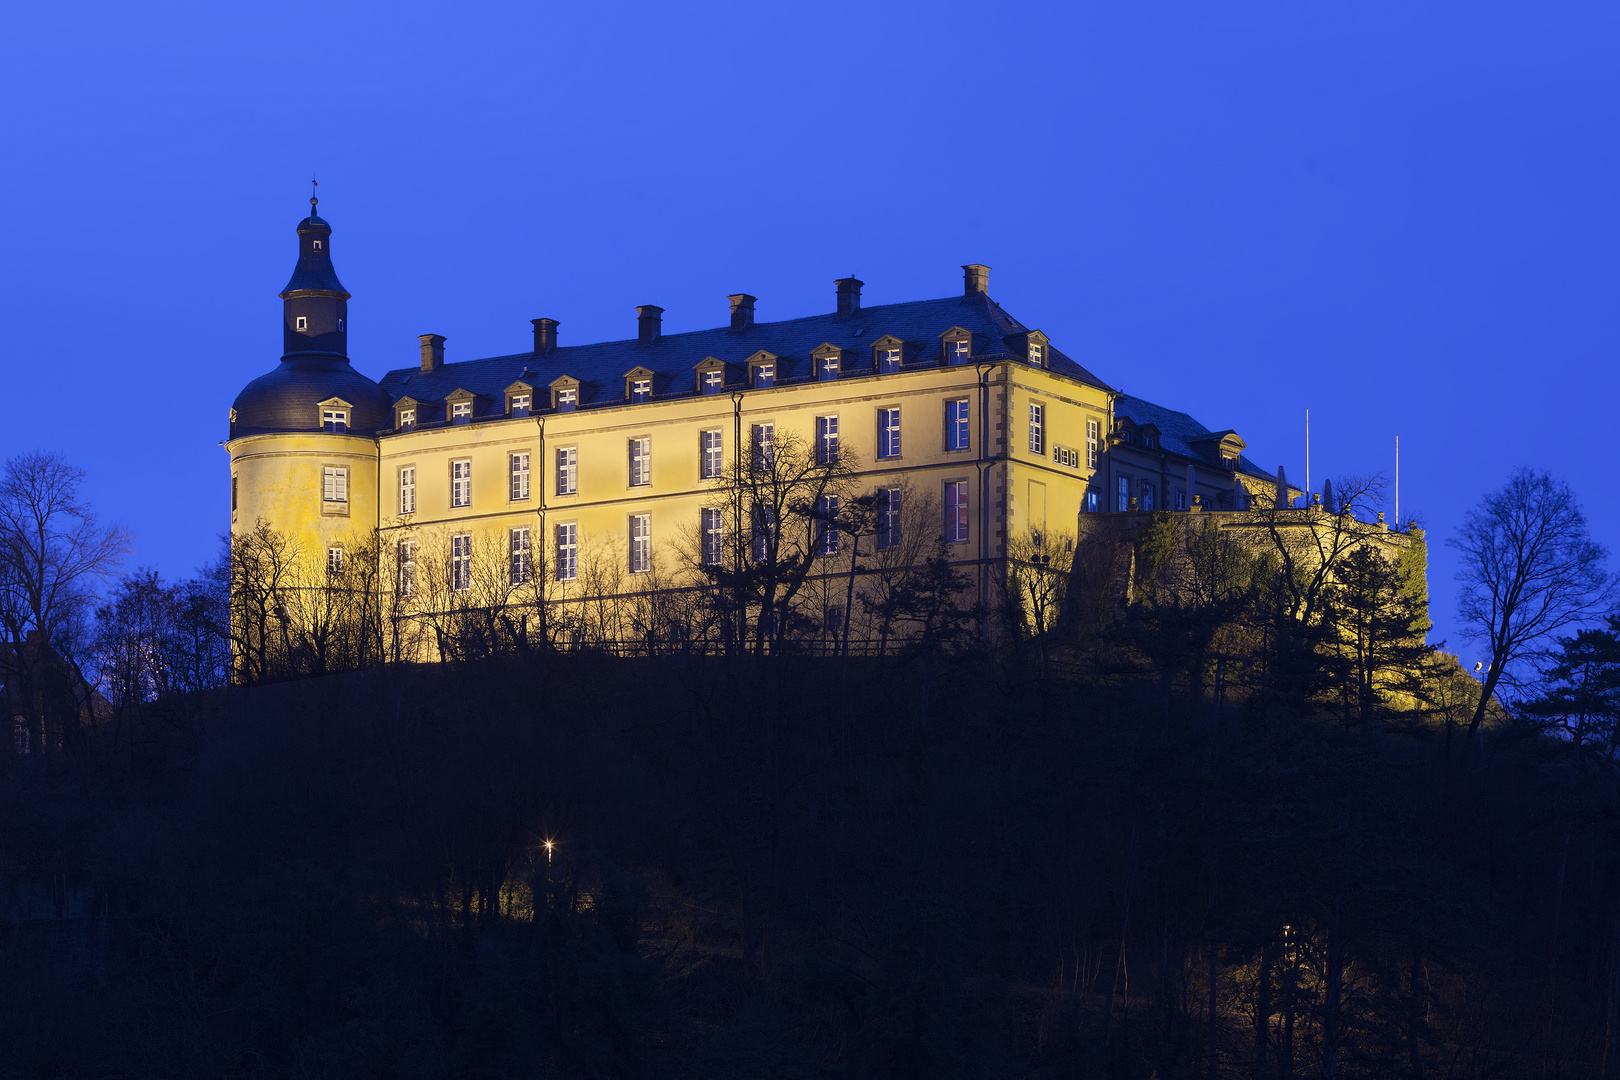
828 371
461 412
888 361
567 400
302 323
335 420
1149 441
713 381
640 390
520 405
958 352
1037 353
764 376
407 419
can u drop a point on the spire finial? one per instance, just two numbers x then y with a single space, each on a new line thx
313 184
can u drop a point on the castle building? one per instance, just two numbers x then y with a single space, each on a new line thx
532 455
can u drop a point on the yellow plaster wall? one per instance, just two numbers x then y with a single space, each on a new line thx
279 478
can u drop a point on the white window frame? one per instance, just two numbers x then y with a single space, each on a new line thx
764 520
640 543
712 535
827 440
763 376
713 382
641 461
958 424
407 419
567 537
1037 428
335 421
1124 492
888 360
956 511
334 559
461 562
640 390
461 483
1037 354
888 432
407 489
1091 501
959 351
888 518
827 515
460 412
301 323
1093 436
712 454
518 464
522 404
762 453
520 562
827 371
405 561
567 399
567 470
335 483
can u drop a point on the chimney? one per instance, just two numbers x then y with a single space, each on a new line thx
849 295
742 311
649 323
545 335
975 279
432 352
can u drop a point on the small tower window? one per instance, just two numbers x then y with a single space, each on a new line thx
317 245
303 323
340 326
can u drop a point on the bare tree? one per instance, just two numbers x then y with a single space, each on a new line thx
1529 570
54 558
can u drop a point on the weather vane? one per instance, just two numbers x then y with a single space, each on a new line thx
313 184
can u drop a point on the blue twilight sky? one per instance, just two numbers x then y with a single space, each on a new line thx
1402 214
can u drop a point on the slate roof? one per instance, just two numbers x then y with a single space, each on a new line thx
601 368
1178 432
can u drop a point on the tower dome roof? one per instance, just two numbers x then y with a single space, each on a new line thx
314 365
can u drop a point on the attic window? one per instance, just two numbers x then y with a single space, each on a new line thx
335 420
567 400
640 390
828 370
407 419
1036 353
1149 441
461 412
958 352
764 375
520 404
302 323
713 381
888 361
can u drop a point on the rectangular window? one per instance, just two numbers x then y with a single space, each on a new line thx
1066 455
233 494
520 556
713 381
520 405
956 511
958 352
1037 355
461 483
1093 430
888 361
764 455
407 490
567 400
764 375
826 440
712 526
336 420
1147 497
568 470
405 555
303 323
1124 493
461 412
889 433
956 424
567 551
1091 501
640 462
764 531
335 484
1037 428
334 560
1181 499
888 518
520 477
827 522
461 562
640 543
640 390
407 419
828 369
712 454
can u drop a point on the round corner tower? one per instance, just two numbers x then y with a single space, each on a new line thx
303 436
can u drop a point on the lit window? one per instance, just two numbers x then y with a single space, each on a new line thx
764 517
641 390
520 404
407 490
1147 496
520 476
888 433
303 323
1037 429
1093 431
764 375
640 462
520 556
568 471
340 326
829 367
958 352
888 361
956 511
335 420
764 456
826 440
567 551
317 245
827 522
335 484
713 381
406 557
567 400
1037 354
407 419
640 543
334 560
888 518
461 562
1065 455
712 526
956 424
461 412
461 483
711 451
1124 494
